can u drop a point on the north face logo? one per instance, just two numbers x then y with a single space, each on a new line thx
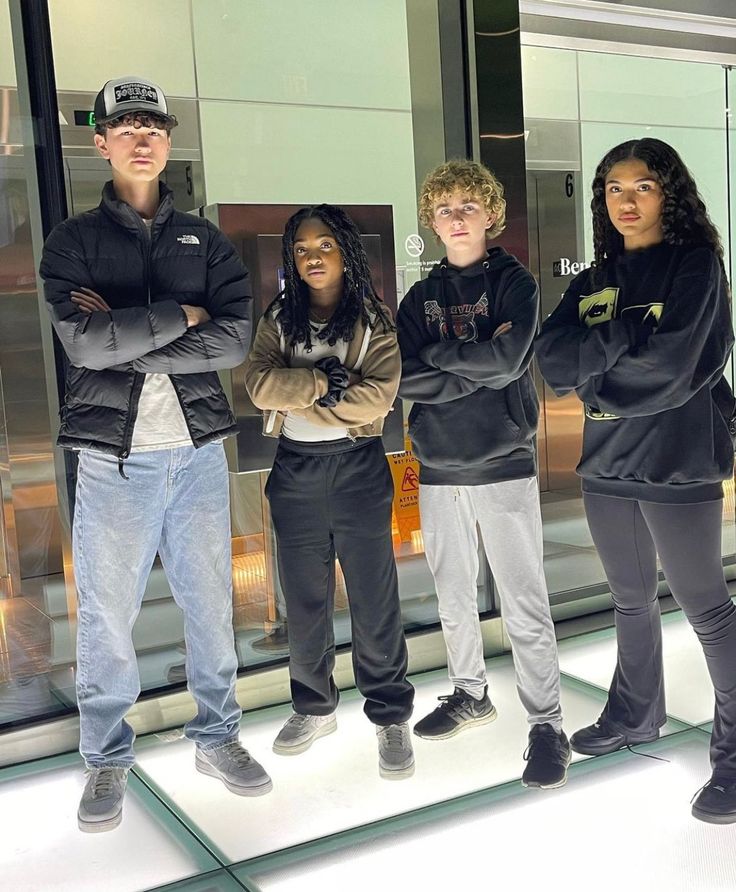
187 239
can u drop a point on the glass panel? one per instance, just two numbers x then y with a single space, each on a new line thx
631 90
79 65
550 83
218 881
729 508
42 799
702 149
730 77
620 97
237 50
335 786
29 521
263 118
627 791
273 160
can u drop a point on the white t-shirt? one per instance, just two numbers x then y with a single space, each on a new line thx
160 422
294 427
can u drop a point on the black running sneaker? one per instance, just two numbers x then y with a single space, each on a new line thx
716 802
547 758
456 712
600 738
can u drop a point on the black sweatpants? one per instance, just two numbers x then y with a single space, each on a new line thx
329 498
629 535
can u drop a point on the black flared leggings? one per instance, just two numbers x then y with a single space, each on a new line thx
628 535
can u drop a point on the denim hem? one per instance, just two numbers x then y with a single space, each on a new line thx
93 767
218 746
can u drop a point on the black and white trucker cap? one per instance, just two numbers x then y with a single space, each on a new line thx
126 95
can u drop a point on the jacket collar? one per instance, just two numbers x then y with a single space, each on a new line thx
124 215
354 347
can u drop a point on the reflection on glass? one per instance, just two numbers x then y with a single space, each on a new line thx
579 104
37 626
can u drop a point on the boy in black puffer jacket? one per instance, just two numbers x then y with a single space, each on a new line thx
148 303
466 335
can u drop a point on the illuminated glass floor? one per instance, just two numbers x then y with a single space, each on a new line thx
462 821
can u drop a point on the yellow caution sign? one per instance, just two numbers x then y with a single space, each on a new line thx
405 473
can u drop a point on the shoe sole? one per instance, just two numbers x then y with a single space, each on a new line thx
593 751
239 790
470 723
100 826
396 773
282 750
560 783
711 818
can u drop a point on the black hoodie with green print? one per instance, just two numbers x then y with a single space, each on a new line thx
643 342
475 407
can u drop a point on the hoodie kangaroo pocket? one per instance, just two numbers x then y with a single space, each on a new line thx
464 432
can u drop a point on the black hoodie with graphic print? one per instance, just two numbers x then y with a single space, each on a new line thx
643 342
475 407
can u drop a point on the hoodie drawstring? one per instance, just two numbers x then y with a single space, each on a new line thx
449 325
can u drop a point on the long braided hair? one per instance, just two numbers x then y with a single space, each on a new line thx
685 220
293 301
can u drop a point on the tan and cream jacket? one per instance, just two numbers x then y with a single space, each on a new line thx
274 387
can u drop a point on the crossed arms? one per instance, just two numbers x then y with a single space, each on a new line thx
164 336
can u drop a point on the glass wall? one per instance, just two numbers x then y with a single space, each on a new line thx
344 105
577 106
29 518
265 119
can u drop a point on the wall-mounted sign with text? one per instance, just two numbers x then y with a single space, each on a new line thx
414 246
567 267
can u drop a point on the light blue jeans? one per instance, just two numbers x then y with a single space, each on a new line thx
176 502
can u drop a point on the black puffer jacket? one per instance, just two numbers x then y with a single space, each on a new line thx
186 260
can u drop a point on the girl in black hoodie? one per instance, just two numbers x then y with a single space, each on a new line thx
643 338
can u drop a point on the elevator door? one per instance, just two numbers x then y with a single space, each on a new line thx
556 256
86 175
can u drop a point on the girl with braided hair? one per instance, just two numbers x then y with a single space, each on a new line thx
643 338
325 369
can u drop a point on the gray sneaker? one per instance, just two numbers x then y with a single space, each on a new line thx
300 731
395 754
101 806
236 768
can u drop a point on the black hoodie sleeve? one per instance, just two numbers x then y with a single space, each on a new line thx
688 349
498 362
419 381
569 353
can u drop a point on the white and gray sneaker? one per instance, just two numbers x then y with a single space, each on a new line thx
101 806
236 768
300 732
395 753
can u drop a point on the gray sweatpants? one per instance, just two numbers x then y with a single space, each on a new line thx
510 522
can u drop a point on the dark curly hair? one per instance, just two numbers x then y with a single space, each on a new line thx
137 120
685 220
293 301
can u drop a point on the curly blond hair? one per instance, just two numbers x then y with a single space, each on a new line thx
471 179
